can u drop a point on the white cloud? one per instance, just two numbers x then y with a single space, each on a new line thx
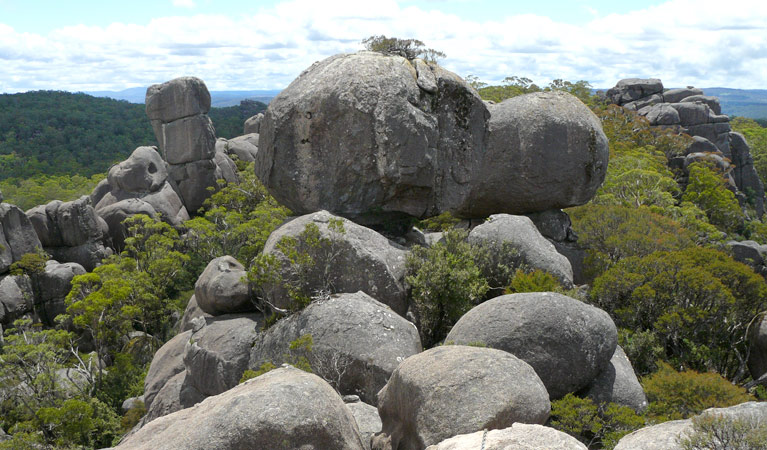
683 42
184 3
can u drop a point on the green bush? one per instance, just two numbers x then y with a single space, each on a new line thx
445 283
698 302
719 432
678 395
597 426
643 348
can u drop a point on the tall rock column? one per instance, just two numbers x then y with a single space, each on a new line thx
178 110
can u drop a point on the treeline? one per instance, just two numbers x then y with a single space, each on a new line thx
53 143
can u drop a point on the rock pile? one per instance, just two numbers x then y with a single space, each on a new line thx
72 232
689 111
397 137
178 110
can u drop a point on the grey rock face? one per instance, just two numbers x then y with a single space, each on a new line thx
191 312
410 151
368 421
545 151
16 297
661 114
116 213
17 236
71 231
357 259
53 285
216 355
664 436
747 252
519 436
245 147
176 394
617 383
712 102
452 390
744 173
701 145
678 95
193 180
757 341
226 169
253 124
222 288
131 403
285 408
189 139
567 342
176 99
692 113
167 362
631 89
534 249
357 342
143 171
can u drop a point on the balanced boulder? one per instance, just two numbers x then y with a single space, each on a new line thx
567 342
357 342
346 257
222 288
545 150
454 389
285 408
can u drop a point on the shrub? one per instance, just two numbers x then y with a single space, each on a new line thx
719 432
445 283
678 395
643 348
697 301
535 281
597 426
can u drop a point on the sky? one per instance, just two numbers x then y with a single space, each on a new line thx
84 45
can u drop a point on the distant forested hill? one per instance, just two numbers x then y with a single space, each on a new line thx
751 103
61 133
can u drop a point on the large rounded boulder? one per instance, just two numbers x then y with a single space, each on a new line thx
566 341
222 287
285 408
372 134
545 150
519 436
346 257
453 390
357 342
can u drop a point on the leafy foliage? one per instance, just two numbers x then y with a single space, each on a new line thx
756 136
698 301
706 189
42 189
678 395
535 281
406 48
514 86
597 426
445 282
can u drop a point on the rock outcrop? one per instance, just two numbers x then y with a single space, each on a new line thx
346 258
285 408
518 436
17 236
16 297
567 342
72 232
138 185
178 110
689 111
52 287
453 389
757 342
422 142
357 342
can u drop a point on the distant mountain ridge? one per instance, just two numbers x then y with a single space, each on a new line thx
219 99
